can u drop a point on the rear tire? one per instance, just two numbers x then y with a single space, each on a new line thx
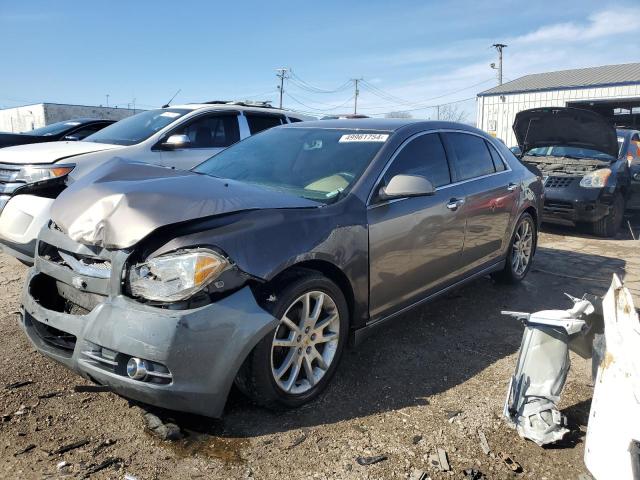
311 348
609 225
521 250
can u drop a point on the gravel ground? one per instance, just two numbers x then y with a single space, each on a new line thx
431 380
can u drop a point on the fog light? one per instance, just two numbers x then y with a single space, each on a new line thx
136 368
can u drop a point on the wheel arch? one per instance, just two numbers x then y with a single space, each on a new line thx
324 267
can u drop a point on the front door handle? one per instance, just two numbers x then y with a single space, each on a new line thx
454 203
512 186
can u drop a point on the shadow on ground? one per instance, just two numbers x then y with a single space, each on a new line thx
424 352
629 230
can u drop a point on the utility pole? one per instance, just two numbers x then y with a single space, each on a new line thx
107 99
499 47
355 96
282 74
438 112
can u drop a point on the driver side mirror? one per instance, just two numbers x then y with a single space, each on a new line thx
176 141
401 186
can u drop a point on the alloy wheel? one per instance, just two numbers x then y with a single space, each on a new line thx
305 342
522 248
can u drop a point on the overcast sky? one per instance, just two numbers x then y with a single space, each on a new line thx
411 54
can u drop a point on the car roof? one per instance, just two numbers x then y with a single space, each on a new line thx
88 120
386 124
237 107
626 132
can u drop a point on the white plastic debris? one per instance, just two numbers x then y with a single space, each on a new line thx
612 444
541 371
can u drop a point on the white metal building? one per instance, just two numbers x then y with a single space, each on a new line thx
611 90
28 117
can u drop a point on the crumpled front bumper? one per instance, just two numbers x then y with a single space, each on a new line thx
201 349
574 204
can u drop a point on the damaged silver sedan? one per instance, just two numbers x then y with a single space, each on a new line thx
259 266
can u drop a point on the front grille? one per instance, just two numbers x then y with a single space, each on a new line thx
8 173
558 182
81 264
60 297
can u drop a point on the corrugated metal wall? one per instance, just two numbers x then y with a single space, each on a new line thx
496 113
28 117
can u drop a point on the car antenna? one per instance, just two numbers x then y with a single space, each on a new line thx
166 105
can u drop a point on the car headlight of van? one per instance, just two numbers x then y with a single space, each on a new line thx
176 276
596 179
36 173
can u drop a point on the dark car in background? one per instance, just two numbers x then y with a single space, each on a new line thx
629 141
586 177
260 264
629 145
75 129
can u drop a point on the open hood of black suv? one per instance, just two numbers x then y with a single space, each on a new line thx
549 126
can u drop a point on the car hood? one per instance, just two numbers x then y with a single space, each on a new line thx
122 201
545 127
49 152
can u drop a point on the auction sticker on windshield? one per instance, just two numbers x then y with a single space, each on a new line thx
364 137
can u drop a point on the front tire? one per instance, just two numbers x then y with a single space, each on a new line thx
521 250
294 362
608 226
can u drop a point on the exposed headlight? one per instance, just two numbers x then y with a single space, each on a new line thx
35 173
596 179
176 276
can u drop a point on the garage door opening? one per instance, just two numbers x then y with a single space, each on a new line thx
623 113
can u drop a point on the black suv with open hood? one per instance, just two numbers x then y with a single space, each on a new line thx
576 152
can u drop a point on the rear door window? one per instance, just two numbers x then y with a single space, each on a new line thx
472 156
423 156
498 164
259 122
211 131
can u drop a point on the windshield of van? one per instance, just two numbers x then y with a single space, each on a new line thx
314 163
137 128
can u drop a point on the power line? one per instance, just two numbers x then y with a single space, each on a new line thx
426 107
304 85
389 97
320 110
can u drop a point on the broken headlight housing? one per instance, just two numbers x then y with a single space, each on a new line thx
596 179
176 276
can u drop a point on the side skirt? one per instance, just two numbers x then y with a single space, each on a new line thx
359 335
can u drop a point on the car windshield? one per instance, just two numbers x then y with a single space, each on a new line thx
569 152
53 129
137 128
314 163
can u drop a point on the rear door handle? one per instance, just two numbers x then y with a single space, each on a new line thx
512 186
454 203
